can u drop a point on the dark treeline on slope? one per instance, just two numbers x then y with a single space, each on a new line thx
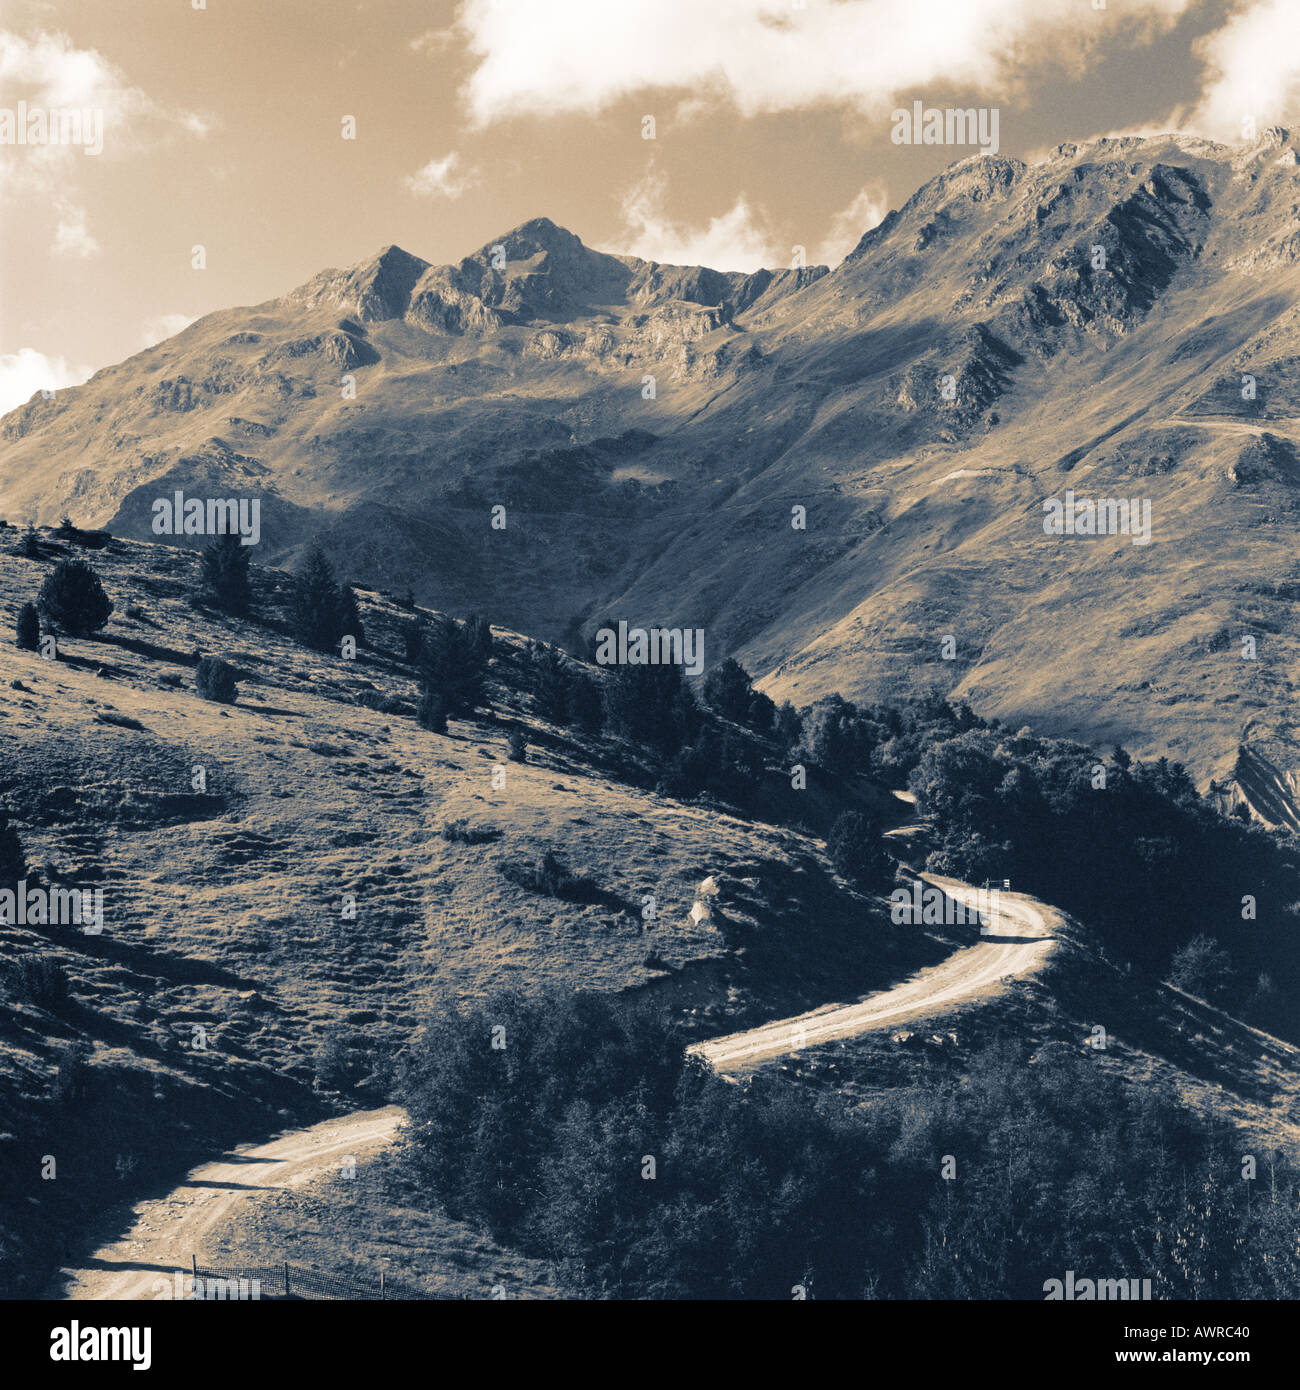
1156 872
577 1130
1130 849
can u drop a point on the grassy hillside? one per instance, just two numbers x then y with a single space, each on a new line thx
226 960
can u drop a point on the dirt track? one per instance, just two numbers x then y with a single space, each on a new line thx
168 1230
1018 944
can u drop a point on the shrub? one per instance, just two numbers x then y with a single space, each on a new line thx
384 704
27 630
463 833
432 713
215 680
857 851
837 737
13 859
38 979
223 574
1201 968
518 748
551 877
73 1076
73 600
333 1062
30 545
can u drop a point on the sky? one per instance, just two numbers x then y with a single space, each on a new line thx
286 136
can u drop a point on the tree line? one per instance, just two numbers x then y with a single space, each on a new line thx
576 1129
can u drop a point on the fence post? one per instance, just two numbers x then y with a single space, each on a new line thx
194 1265
381 1285
286 1278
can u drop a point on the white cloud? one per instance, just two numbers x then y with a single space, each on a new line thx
72 237
736 240
27 371
440 178
1252 69
159 326
46 70
86 99
764 56
849 226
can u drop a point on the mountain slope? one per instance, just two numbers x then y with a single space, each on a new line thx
1010 333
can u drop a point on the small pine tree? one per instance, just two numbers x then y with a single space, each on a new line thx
518 748
588 707
28 628
652 705
454 665
550 682
787 726
413 641
13 860
350 624
215 680
314 613
479 635
66 528
432 712
727 689
761 713
30 546
73 600
223 574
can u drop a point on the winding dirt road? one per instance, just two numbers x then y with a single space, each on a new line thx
1018 943
168 1230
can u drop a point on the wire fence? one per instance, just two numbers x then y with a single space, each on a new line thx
290 1281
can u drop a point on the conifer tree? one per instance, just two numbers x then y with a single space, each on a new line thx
315 611
224 575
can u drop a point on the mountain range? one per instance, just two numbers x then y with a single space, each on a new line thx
839 475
